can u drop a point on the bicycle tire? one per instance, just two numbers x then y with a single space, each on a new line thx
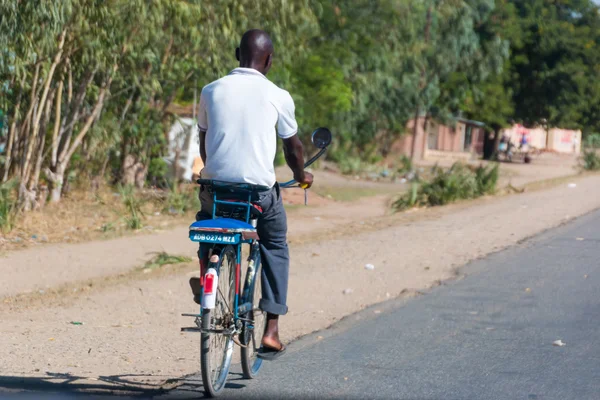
252 337
214 376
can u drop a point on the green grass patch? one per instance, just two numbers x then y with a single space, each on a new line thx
161 259
133 205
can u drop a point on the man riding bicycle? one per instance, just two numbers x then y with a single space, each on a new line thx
238 141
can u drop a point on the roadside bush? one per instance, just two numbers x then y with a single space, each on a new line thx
133 204
181 201
591 160
487 179
449 186
592 141
350 165
444 187
412 198
8 205
406 165
157 172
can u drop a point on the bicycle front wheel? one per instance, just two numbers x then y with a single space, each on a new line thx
217 346
254 327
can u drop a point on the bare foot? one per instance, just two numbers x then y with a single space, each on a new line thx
272 343
271 337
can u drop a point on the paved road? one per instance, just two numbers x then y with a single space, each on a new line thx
487 336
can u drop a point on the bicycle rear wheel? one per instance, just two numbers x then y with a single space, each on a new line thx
217 348
252 333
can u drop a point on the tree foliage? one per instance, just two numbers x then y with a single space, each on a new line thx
86 86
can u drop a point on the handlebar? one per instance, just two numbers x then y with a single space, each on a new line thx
306 165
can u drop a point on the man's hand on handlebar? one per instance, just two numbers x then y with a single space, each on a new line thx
305 180
294 156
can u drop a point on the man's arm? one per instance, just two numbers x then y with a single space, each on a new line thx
202 126
287 129
203 146
294 156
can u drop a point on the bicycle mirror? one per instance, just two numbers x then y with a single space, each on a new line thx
321 137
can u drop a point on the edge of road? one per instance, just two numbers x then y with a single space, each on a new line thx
374 311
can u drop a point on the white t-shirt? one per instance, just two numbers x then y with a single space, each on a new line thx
239 113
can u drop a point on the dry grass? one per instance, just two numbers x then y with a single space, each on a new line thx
88 215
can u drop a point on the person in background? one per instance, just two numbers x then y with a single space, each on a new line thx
523 140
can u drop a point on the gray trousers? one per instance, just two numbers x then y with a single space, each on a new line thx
274 252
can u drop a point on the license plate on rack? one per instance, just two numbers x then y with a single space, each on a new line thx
212 237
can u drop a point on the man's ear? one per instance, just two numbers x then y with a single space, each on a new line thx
268 62
237 53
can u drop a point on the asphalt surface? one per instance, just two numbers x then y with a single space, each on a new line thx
488 335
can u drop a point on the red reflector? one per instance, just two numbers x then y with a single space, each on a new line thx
209 281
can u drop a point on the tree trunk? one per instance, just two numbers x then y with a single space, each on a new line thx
66 152
57 123
414 135
42 196
496 142
133 172
70 83
422 85
99 179
490 144
140 175
56 178
41 143
11 138
26 198
72 115
35 178
41 107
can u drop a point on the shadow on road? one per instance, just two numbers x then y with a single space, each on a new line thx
114 385
63 385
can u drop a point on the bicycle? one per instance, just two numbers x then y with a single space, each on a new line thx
226 316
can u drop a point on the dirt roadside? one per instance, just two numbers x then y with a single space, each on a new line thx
133 328
44 267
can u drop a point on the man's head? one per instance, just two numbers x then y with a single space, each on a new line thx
255 51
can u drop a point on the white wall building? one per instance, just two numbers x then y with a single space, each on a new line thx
184 146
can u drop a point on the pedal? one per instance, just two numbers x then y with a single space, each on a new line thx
196 329
237 341
191 315
191 329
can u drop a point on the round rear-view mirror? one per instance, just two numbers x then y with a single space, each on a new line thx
321 137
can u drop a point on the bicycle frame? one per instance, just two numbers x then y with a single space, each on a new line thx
246 301
237 240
